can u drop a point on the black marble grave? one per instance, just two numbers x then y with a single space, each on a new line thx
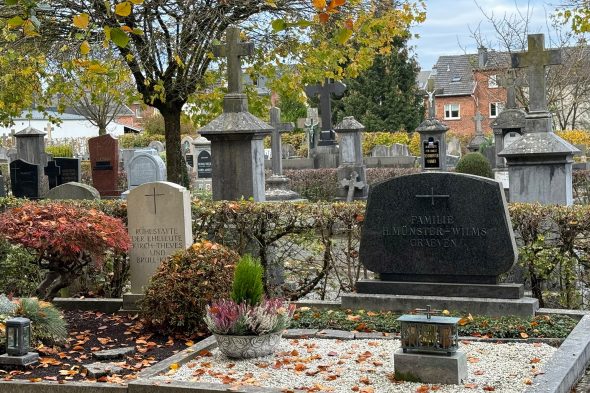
24 178
70 170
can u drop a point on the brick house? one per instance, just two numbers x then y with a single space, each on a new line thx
467 83
132 116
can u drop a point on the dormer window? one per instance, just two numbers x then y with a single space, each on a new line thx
493 81
456 78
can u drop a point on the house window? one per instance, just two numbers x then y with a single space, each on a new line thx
138 111
496 108
493 81
452 111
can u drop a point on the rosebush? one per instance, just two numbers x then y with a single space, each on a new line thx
185 283
64 239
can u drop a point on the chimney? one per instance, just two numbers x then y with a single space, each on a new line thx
482 57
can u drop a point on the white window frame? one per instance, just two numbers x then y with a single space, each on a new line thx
493 81
449 109
498 108
138 112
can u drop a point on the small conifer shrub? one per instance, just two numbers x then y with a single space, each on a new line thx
474 164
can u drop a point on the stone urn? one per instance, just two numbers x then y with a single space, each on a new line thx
246 347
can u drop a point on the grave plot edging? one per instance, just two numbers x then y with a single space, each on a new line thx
18 386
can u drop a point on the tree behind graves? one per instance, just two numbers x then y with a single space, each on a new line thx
64 239
385 97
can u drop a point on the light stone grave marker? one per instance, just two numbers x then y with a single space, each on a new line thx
146 166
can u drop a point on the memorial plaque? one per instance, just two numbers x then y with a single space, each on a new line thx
104 161
70 170
190 160
204 165
24 178
431 154
438 227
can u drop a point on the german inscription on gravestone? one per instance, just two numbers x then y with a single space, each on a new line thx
438 227
204 165
431 153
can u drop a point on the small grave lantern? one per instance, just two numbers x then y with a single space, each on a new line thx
429 332
18 336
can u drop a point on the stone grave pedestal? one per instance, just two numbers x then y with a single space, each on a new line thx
352 172
429 368
439 239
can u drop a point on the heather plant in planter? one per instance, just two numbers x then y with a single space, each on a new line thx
248 325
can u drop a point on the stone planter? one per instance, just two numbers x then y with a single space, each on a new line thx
245 347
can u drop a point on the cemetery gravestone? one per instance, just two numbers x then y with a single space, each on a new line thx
325 91
432 132
287 151
479 139
24 178
104 161
2 186
236 133
146 166
69 170
73 190
439 234
352 172
399 150
52 171
157 146
159 224
204 165
188 151
380 151
30 146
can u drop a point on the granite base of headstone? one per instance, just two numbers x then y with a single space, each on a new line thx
278 189
429 368
325 157
441 239
159 224
73 190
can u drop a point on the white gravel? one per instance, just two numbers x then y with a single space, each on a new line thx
364 366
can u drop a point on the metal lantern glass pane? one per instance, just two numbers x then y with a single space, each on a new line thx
18 335
434 334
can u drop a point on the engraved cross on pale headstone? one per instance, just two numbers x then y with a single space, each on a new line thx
233 50
432 196
324 91
477 120
278 128
535 60
154 195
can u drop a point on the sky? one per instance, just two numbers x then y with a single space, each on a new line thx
446 30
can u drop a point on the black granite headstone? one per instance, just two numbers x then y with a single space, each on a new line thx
52 171
204 165
438 227
431 153
70 170
24 178
190 160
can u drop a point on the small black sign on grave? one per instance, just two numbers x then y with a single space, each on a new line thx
204 169
190 160
24 179
70 170
431 153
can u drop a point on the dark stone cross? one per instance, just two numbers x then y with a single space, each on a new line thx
233 50
510 82
278 128
324 91
432 195
154 195
477 120
536 59
52 171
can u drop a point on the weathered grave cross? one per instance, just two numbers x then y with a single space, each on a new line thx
154 195
432 195
324 91
536 59
233 50
477 119
510 82
278 128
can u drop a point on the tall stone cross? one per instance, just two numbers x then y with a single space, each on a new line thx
477 120
278 128
233 50
510 82
48 130
325 92
13 137
536 59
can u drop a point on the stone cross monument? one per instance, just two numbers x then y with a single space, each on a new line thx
237 151
539 163
479 138
325 91
433 143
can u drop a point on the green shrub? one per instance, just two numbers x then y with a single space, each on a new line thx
60 150
184 284
20 275
129 141
47 322
247 286
474 164
7 306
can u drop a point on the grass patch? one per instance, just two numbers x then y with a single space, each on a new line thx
542 326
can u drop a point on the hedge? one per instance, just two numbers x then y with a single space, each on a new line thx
317 243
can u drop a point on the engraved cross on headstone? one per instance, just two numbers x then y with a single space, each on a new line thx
432 195
233 50
324 91
278 128
477 119
536 59
154 195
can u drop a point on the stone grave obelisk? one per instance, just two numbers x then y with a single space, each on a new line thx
237 151
539 163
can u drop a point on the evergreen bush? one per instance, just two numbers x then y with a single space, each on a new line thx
247 287
60 151
184 284
47 323
474 164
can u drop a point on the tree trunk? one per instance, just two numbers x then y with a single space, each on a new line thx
102 131
174 161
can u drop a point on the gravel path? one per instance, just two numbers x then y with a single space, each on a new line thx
365 366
